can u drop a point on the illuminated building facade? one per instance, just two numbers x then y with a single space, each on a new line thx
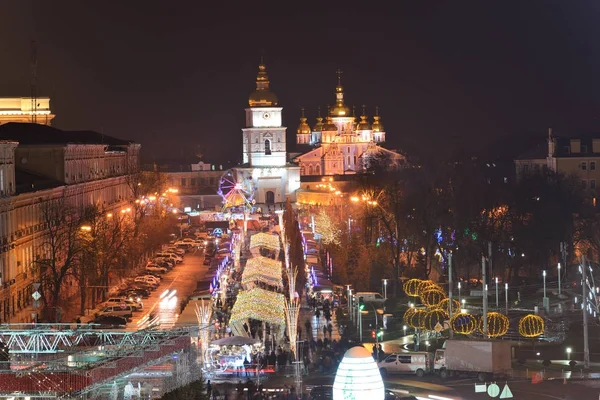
40 163
23 109
341 144
264 147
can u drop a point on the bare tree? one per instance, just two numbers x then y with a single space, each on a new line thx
60 250
142 185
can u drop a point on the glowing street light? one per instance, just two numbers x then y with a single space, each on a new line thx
85 228
546 302
559 279
568 353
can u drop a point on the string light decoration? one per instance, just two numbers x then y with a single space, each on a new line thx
412 287
497 324
463 323
408 314
428 285
264 270
259 304
531 326
417 319
433 317
265 240
432 297
445 305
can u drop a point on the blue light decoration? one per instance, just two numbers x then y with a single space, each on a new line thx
313 276
438 235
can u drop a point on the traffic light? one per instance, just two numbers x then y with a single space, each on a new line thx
373 334
380 333
361 304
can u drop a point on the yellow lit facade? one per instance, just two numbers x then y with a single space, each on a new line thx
23 109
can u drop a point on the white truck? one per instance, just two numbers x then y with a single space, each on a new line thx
485 359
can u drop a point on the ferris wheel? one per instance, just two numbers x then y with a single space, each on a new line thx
236 187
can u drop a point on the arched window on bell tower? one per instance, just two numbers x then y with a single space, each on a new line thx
267 147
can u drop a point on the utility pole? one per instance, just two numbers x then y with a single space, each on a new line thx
450 289
485 299
586 339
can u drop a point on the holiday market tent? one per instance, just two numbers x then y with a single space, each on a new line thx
262 269
265 240
257 304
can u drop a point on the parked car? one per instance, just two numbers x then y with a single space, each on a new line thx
121 311
156 268
176 250
390 395
108 322
147 279
117 301
418 363
134 291
169 256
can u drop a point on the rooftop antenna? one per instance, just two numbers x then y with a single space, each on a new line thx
33 67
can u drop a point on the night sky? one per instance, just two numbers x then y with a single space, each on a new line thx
175 76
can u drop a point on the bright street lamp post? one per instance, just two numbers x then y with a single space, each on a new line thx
568 353
385 281
559 279
506 296
497 304
546 305
459 298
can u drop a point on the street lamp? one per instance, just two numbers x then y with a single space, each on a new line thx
385 288
506 296
546 305
558 279
497 305
459 298
568 353
404 329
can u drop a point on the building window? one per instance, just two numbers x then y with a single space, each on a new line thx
310 169
592 165
267 147
584 165
592 184
584 148
182 181
584 183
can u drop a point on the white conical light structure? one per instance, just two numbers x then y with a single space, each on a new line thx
358 377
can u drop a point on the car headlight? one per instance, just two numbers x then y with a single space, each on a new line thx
139 299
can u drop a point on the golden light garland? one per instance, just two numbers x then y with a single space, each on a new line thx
497 324
264 270
408 314
433 317
429 284
463 323
265 240
445 305
432 297
259 304
412 287
417 319
531 326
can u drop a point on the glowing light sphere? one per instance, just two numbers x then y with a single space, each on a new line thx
408 315
417 319
445 305
411 287
432 297
433 317
531 326
497 324
428 285
358 377
463 323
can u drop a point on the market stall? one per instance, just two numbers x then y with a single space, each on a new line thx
261 305
265 242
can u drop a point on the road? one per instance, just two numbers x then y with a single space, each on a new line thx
182 279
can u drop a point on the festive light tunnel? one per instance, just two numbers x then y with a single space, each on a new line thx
417 319
445 305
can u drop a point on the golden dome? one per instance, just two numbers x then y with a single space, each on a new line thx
319 125
303 128
340 109
262 96
363 125
377 125
329 125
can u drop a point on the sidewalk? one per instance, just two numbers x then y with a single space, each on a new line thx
307 313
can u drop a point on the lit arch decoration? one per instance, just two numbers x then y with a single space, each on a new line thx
432 297
497 324
259 304
262 269
408 315
412 287
433 317
531 326
463 323
445 305
417 319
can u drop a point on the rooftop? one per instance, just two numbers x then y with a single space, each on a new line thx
35 134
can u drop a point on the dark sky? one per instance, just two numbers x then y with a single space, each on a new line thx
176 76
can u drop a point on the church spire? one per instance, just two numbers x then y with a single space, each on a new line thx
340 109
262 96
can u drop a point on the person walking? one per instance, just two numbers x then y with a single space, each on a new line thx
209 389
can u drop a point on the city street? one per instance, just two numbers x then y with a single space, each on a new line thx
183 279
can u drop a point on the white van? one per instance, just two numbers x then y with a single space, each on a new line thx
371 297
417 362
121 311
